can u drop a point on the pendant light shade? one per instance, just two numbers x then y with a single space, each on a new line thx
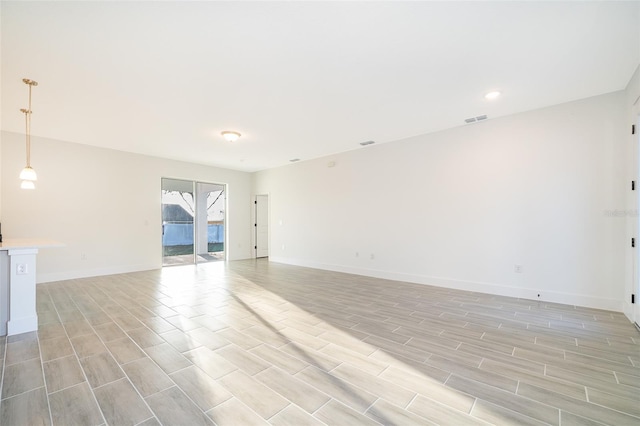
28 175
27 184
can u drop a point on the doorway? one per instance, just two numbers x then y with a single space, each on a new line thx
193 222
262 225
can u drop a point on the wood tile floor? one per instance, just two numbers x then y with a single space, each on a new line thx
253 342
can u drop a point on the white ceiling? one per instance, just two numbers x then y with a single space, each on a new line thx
298 79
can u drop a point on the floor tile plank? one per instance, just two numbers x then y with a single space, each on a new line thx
121 404
28 408
257 396
147 377
233 413
173 407
202 389
339 414
22 377
101 369
75 406
293 389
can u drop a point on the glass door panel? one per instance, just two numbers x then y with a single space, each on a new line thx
210 218
178 211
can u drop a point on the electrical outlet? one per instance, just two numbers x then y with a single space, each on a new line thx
357 254
83 256
518 269
22 269
373 256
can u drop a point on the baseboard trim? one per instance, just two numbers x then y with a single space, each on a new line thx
22 325
473 286
87 273
445 282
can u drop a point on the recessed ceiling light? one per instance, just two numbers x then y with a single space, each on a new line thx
492 95
230 136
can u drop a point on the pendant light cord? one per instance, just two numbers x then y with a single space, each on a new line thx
27 127
27 119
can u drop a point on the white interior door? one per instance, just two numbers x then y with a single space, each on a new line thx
262 225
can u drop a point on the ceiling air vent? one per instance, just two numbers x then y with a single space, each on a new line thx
475 119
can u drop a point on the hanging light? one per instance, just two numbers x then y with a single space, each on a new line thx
28 175
27 184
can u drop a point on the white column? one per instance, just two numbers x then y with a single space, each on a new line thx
4 291
22 291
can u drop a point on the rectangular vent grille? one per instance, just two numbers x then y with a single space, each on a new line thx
475 119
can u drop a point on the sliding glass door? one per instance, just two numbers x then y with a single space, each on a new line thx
193 222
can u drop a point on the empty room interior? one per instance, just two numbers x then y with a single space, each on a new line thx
319 213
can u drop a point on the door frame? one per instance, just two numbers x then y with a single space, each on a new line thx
254 221
194 186
635 290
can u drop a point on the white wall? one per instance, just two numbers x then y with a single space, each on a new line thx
104 204
0 115
468 204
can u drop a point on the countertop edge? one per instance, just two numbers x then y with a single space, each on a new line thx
24 243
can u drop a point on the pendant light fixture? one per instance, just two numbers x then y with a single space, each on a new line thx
28 175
